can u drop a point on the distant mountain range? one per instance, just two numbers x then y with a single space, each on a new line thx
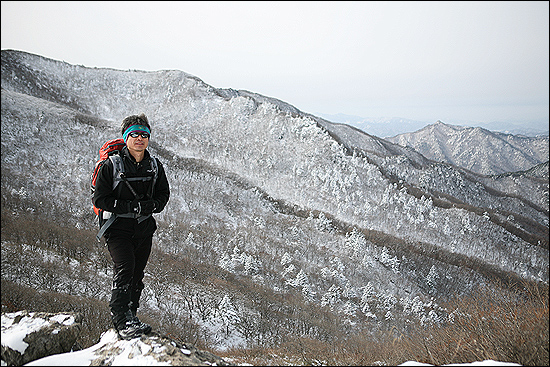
391 126
477 149
280 223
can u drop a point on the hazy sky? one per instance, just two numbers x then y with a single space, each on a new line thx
452 61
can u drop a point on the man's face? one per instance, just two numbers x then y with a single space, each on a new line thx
137 142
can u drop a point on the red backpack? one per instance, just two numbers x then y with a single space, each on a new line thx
108 149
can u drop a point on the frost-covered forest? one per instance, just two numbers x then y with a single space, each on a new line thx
279 222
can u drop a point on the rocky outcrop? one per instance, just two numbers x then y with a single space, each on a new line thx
29 336
149 349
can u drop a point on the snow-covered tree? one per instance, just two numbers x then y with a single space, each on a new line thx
331 297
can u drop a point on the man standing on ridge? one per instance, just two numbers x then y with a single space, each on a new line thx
142 190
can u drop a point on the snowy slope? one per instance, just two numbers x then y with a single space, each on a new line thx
264 191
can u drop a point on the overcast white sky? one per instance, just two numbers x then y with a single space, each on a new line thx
452 61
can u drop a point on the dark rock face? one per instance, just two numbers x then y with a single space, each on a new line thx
48 333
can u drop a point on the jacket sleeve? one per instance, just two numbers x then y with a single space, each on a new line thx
104 195
161 192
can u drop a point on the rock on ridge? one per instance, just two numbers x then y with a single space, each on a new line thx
148 349
47 339
27 336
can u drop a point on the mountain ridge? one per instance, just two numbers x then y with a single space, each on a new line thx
286 200
476 148
387 127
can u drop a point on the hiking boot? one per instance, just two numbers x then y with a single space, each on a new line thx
146 328
129 331
130 327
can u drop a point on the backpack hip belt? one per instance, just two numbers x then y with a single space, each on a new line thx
112 217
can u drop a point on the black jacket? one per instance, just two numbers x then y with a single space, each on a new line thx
118 201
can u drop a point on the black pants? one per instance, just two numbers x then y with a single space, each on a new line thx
130 256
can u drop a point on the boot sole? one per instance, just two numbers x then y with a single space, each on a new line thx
131 336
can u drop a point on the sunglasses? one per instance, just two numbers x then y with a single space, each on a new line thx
135 134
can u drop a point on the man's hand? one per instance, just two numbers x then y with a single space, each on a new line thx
147 207
134 207
143 207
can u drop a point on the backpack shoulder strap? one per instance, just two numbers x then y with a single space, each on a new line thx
155 168
118 169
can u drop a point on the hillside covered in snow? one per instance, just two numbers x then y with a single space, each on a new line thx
279 223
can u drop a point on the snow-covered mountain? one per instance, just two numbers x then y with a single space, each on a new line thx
270 207
477 149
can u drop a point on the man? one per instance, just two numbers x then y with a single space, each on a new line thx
135 198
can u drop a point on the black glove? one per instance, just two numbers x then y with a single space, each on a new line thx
144 207
147 207
134 206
